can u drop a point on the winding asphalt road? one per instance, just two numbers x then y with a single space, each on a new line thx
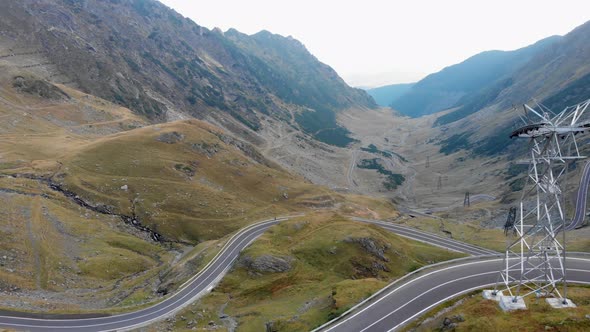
416 293
194 288
580 200
409 297
430 238
351 183
202 283
388 309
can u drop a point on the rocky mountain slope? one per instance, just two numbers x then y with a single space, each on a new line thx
449 154
556 77
144 56
454 85
103 209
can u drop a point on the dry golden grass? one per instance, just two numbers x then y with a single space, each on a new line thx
486 315
57 246
181 191
327 276
198 191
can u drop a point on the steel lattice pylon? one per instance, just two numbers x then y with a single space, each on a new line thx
534 262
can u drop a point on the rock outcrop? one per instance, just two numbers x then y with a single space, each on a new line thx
371 246
170 138
267 263
39 87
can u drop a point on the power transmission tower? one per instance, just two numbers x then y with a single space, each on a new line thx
534 261
510 220
466 201
427 161
439 184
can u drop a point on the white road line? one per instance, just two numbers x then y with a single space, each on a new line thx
396 227
430 239
407 284
225 250
234 243
448 244
423 276
424 240
426 292
132 318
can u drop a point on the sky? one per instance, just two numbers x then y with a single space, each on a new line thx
378 42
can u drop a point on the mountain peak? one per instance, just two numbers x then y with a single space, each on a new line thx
147 57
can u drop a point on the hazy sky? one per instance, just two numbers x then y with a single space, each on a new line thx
378 42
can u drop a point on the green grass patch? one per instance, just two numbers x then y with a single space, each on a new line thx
373 149
393 180
455 143
332 268
485 315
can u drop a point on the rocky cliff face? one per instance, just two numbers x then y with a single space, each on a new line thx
145 56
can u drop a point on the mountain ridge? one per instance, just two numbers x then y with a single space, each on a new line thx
448 87
556 77
164 66
387 94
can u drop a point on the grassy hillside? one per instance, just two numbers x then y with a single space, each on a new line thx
473 313
306 271
186 179
57 255
104 212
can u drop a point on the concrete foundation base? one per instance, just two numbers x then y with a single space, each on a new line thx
507 303
488 294
558 303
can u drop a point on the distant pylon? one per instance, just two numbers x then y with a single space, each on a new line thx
439 184
466 201
427 161
510 221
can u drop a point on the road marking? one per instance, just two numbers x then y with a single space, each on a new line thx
426 292
429 240
407 284
255 231
426 240
131 318
189 283
456 243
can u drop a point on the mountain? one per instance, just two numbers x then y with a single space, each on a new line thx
557 77
386 95
145 56
297 77
453 85
104 209
126 157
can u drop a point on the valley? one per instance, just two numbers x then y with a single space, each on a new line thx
157 175
418 158
109 213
